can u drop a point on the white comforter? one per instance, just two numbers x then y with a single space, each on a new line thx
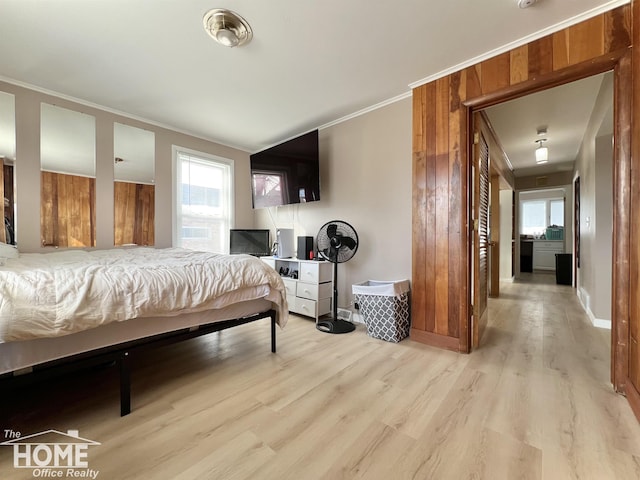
54 294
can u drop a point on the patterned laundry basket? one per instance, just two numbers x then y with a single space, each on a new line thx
385 308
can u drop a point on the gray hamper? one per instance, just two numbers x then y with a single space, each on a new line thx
384 307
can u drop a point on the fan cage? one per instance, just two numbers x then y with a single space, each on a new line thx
342 230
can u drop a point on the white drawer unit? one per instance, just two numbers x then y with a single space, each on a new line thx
313 291
544 253
315 272
309 284
290 285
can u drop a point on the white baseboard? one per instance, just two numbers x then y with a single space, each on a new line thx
585 302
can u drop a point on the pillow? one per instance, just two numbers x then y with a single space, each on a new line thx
8 251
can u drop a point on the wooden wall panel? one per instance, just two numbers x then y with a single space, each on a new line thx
67 210
9 211
3 237
457 142
133 214
442 207
519 65
632 333
496 73
419 233
617 28
586 40
541 57
579 50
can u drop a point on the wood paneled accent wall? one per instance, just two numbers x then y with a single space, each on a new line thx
629 353
3 235
67 210
134 213
441 112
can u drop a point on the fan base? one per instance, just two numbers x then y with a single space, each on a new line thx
335 326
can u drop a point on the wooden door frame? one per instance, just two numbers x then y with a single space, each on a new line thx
621 64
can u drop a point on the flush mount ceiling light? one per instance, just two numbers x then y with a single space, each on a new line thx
525 3
227 28
542 152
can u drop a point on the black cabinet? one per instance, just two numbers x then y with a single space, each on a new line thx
526 256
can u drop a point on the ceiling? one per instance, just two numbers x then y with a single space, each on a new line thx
564 113
309 63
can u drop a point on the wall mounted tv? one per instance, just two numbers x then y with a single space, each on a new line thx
286 173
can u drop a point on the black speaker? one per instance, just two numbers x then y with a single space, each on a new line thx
305 247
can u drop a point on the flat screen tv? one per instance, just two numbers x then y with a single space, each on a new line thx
250 242
287 173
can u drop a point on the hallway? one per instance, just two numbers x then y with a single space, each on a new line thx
554 391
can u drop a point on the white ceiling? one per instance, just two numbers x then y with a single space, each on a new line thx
309 63
563 111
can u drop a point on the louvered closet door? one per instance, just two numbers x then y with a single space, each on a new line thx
481 240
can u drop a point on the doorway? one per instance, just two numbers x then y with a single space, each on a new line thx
576 123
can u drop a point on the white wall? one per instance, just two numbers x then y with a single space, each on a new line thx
365 169
603 241
594 167
27 169
506 214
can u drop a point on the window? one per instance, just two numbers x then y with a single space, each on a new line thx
556 215
534 219
203 201
537 215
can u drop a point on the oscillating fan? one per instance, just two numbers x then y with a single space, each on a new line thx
337 242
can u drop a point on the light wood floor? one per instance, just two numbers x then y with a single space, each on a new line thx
534 402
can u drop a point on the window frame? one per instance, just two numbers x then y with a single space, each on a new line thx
547 212
177 193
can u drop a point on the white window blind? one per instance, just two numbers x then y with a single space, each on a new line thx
204 209
537 215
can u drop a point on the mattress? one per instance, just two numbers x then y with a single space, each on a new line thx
22 354
62 293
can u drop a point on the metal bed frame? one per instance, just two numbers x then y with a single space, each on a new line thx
121 354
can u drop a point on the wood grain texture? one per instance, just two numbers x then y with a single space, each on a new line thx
457 143
8 172
442 207
499 163
3 237
134 215
324 408
519 64
419 120
481 241
496 73
430 221
633 382
625 106
541 56
419 234
67 210
617 29
584 49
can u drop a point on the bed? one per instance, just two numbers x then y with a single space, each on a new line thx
74 307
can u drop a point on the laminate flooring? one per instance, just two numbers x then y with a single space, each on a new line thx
534 402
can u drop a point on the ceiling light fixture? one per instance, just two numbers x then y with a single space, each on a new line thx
227 27
542 152
525 3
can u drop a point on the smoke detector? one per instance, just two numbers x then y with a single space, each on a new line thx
525 3
227 27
